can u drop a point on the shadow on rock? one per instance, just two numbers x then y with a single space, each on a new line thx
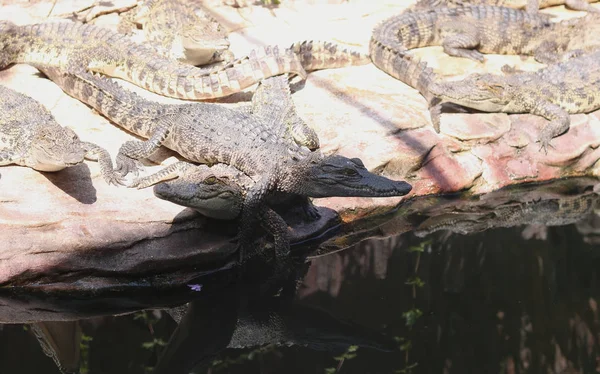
75 181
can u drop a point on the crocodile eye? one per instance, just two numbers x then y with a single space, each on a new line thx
350 172
210 180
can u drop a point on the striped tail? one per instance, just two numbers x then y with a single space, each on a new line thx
315 55
404 67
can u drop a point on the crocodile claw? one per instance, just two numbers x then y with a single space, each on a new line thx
311 212
545 144
114 179
126 165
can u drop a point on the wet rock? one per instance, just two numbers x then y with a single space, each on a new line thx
70 225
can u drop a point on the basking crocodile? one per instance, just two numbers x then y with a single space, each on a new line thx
30 136
113 54
183 30
532 6
553 92
470 31
213 133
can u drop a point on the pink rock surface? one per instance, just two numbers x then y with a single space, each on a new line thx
55 225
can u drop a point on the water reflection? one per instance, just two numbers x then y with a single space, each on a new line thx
506 283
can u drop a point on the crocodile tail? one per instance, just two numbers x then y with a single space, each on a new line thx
315 55
404 67
173 79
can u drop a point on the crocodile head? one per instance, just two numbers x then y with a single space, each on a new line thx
212 191
53 149
485 92
341 176
205 43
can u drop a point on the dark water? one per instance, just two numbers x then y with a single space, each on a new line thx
519 299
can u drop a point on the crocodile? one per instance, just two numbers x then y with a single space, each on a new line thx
30 136
213 133
532 6
458 30
110 53
249 318
553 92
183 30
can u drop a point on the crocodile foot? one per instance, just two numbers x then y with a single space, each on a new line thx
126 165
114 179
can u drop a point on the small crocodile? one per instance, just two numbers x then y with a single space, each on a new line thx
113 54
469 32
219 191
212 133
553 92
532 6
183 30
30 136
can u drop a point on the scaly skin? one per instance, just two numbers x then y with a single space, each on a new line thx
115 55
30 136
273 102
219 191
461 30
532 6
212 133
184 30
553 93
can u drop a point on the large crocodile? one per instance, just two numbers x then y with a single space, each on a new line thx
113 54
469 32
553 92
30 136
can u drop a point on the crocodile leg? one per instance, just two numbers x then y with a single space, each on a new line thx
463 45
134 150
252 205
559 122
277 227
170 172
99 154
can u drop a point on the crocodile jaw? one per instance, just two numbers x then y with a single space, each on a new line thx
340 176
220 202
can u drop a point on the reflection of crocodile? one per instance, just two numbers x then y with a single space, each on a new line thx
549 212
30 136
250 317
104 51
